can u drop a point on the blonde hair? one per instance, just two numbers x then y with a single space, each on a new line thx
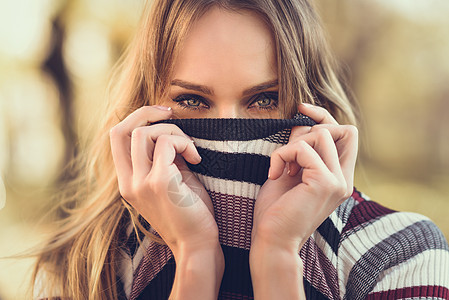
80 259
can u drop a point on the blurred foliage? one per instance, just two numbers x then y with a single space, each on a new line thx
55 59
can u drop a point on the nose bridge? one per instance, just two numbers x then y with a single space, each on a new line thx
229 109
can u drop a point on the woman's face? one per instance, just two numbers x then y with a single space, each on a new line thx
226 69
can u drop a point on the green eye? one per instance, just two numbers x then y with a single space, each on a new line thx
264 102
193 102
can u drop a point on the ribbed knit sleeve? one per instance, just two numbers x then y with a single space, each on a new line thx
384 254
361 251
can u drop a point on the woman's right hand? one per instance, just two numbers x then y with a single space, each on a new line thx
156 181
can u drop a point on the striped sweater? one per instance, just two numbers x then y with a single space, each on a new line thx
361 251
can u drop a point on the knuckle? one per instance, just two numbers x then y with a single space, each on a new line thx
323 133
144 109
139 189
137 133
115 131
340 189
300 144
126 192
336 187
172 128
322 111
164 138
352 130
277 151
142 188
348 193
155 184
298 131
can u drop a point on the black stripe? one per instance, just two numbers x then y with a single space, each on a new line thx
236 279
312 293
160 286
330 233
237 129
252 168
237 276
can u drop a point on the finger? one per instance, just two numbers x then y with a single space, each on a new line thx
168 146
144 115
302 154
297 131
346 142
151 133
120 136
143 143
317 113
344 136
321 141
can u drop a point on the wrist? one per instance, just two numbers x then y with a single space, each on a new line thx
274 255
199 272
275 270
187 254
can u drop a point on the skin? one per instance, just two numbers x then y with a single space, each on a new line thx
308 178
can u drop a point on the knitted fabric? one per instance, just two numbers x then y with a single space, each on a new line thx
235 161
361 251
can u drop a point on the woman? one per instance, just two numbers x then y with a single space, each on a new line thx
232 60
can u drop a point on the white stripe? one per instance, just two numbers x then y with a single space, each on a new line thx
229 187
357 244
126 272
258 146
428 268
338 223
326 248
140 252
324 245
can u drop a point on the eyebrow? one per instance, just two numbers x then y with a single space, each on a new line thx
206 90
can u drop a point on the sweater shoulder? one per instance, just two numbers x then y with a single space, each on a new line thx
378 246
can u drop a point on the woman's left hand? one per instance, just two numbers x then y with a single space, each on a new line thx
308 179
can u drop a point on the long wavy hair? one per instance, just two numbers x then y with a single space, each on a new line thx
80 259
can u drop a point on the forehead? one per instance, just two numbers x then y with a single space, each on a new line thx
225 42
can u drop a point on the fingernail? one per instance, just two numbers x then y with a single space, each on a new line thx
269 173
162 107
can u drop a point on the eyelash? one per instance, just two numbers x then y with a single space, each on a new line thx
184 97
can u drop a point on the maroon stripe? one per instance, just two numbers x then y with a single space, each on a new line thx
155 258
408 292
357 196
319 271
234 216
365 212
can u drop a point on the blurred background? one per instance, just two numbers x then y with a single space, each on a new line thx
56 57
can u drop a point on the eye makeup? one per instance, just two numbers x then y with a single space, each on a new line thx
191 101
262 101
